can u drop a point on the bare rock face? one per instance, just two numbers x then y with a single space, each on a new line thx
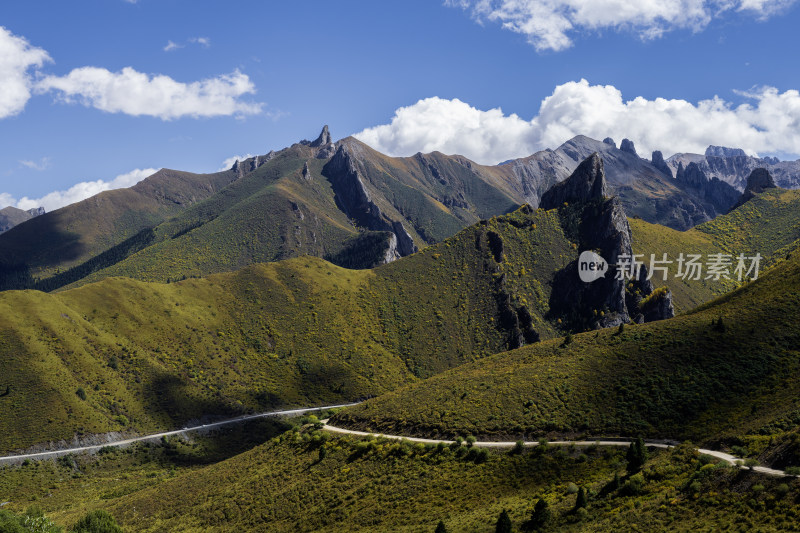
323 139
306 172
355 201
609 140
758 181
586 183
717 196
660 164
723 151
627 146
599 224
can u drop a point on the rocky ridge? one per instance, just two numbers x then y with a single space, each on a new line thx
599 224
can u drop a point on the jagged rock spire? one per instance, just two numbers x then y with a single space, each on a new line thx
588 182
627 146
658 162
323 139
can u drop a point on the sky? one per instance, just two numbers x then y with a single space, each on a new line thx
98 94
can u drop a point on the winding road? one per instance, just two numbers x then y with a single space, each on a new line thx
124 442
10 459
491 444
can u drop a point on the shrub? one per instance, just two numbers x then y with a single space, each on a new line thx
81 393
471 441
98 521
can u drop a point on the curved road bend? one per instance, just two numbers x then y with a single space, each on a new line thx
55 453
488 444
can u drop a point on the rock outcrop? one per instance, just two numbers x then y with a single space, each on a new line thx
724 151
757 182
323 139
717 196
587 182
354 199
609 140
658 161
627 146
599 224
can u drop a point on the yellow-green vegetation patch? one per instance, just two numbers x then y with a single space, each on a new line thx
727 370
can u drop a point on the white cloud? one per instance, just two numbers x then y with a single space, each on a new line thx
548 23
135 93
77 192
768 122
205 42
42 164
228 163
17 58
172 46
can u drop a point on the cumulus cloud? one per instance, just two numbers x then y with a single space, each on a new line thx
769 121
135 93
77 192
17 59
548 23
228 163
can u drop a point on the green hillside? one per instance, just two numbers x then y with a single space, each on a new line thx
767 224
727 370
307 481
69 236
295 332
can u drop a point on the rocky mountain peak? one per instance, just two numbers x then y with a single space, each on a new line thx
323 139
723 151
627 146
609 140
758 181
587 182
658 161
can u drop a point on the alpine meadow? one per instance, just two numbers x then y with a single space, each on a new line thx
539 272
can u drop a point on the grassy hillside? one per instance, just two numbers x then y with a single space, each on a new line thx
301 331
688 377
768 224
305 481
71 235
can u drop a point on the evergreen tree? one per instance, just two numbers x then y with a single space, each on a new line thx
636 456
580 501
540 516
503 523
441 528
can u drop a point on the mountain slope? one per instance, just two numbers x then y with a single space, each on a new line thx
292 332
343 201
726 370
11 216
66 237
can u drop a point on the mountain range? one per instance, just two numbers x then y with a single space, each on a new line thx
340 200
447 293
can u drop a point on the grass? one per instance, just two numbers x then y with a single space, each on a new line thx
290 484
679 378
295 332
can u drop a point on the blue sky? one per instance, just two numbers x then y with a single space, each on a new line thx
272 73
